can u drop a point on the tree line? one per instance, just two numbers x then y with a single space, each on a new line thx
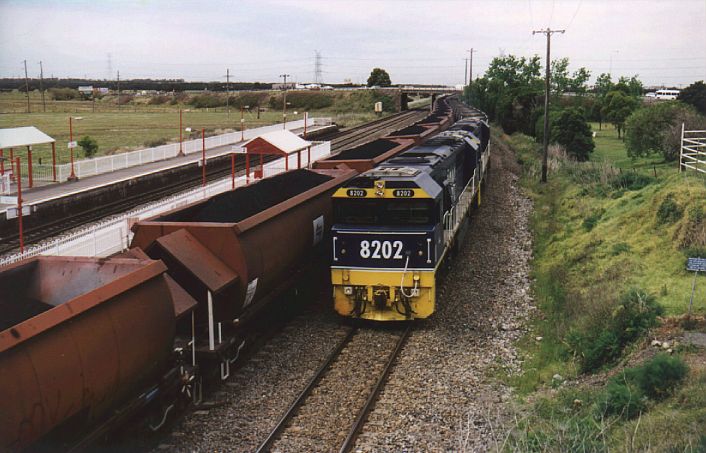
511 92
9 84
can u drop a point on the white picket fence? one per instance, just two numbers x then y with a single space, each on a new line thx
693 150
105 164
114 235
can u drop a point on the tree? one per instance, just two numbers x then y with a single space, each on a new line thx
656 129
695 94
562 82
571 130
631 86
508 92
603 85
379 77
617 106
89 145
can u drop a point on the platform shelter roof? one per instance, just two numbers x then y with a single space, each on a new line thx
15 137
281 142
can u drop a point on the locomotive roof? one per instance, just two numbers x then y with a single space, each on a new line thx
395 177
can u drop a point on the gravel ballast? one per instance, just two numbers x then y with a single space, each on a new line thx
442 394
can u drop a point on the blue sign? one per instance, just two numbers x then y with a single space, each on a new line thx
696 264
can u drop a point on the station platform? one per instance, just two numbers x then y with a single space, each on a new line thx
66 189
50 204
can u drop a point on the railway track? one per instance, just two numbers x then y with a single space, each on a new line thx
374 129
341 140
341 393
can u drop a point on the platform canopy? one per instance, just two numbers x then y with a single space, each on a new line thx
281 142
15 137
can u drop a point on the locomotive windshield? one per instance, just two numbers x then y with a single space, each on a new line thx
384 211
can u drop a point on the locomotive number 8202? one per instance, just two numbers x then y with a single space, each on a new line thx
381 249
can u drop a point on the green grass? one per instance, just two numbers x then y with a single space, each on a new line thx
118 132
611 149
138 125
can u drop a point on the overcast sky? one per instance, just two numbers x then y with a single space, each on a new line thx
664 42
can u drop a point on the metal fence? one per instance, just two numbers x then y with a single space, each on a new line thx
113 235
693 150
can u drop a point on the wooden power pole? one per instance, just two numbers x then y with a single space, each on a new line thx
228 91
548 33
470 66
26 86
41 86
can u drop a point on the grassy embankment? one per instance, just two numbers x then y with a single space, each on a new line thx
601 228
140 124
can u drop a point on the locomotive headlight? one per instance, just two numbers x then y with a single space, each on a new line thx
343 251
348 290
420 253
416 277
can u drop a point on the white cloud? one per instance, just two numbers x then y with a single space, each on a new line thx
418 41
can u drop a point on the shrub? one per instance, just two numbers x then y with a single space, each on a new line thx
637 312
64 94
309 101
622 399
669 211
658 377
592 220
571 130
603 342
203 101
156 142
252 100
656 129
158 100
595 347
619 248
124 99
89 145
630 181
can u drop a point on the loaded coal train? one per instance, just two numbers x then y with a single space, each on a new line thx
85 343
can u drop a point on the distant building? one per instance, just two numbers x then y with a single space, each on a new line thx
87 89
282 86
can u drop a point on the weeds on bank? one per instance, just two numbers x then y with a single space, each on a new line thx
610 245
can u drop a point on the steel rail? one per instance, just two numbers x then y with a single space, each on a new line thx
313 382
365 410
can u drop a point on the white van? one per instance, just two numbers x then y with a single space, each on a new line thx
667 94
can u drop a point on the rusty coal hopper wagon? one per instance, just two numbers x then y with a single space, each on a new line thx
236 251
85 342
80 337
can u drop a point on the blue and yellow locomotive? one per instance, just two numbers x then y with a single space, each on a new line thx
395 225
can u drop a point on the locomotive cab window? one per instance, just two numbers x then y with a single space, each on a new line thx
385 212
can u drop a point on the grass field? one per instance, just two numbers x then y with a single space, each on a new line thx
611 149
141 125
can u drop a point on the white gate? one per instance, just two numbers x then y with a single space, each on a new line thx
693 150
